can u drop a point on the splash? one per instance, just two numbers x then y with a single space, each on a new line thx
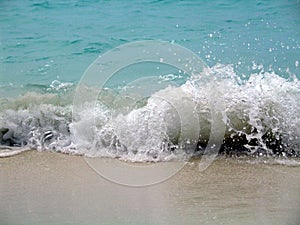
261 118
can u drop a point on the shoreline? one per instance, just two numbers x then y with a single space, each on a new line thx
7 151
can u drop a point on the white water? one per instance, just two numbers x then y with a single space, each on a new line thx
261 116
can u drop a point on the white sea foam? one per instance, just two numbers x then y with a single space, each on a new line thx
261 117
6 151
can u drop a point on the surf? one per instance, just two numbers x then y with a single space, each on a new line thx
260 116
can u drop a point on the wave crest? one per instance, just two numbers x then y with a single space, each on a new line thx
261 117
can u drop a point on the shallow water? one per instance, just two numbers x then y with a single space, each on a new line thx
42 41
51 188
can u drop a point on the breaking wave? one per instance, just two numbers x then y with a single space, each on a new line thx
261 116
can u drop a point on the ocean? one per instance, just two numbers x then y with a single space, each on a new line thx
251 49
138 90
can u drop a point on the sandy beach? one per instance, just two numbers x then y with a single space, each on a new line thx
52 188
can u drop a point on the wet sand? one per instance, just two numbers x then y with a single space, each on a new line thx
52 188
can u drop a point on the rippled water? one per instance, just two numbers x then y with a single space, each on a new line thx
43 40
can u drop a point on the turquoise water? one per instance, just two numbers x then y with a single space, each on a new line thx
42 41
47 45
